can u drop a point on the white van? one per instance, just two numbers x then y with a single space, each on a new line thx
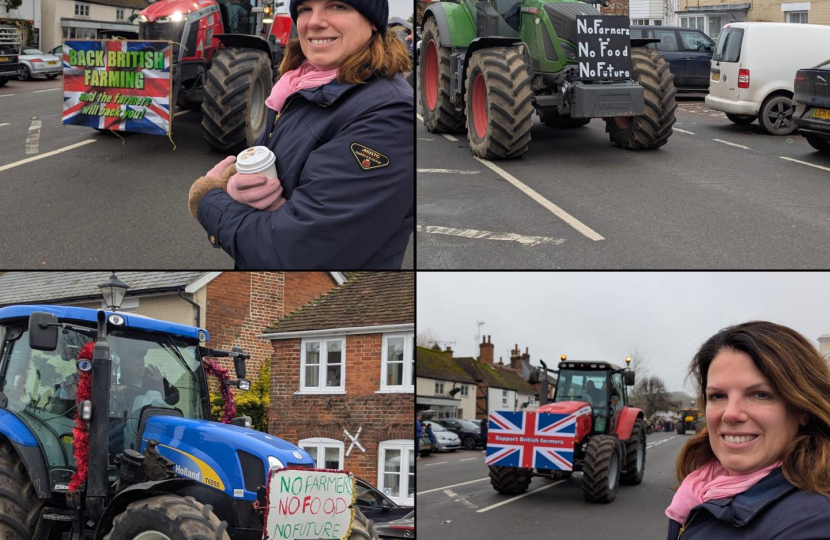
753 69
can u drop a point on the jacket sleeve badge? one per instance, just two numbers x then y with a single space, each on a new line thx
368 158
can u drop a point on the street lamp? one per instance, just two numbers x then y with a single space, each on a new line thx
113 290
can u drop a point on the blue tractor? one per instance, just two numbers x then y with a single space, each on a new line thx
158 467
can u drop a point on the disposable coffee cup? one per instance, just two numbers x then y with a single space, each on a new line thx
257 159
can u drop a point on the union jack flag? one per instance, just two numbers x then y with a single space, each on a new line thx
531 440
156 120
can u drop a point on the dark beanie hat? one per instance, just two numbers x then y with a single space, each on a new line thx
377 11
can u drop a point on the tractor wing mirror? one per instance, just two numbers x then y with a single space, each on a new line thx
239 362
628 376
43 331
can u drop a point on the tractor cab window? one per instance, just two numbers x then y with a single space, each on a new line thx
618 390
589 386
511 13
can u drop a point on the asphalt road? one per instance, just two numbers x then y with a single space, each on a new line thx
716 195
99 202
455 500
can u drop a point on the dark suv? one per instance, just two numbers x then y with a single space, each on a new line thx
468 432
687 50
812 105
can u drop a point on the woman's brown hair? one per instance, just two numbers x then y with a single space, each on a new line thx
385 56
798 374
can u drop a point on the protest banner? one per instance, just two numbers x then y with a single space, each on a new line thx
307 503
604 47
122 85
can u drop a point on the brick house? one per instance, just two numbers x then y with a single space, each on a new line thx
233 307
343 369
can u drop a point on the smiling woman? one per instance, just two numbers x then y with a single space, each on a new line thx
761 468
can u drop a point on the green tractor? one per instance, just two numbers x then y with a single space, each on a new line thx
487 66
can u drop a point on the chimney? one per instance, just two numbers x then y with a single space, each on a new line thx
486 349
448 352
515 359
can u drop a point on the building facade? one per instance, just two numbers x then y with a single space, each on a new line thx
442 386
95 19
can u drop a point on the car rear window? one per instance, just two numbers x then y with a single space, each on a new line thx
729 45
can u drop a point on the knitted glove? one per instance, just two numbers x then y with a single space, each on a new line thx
256 190
216 178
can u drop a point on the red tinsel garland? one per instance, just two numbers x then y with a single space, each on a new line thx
80 433
213 369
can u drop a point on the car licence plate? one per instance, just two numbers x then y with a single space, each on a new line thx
824 114
715 76
4 58
52 63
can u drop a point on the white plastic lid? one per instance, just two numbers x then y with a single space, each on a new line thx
255 159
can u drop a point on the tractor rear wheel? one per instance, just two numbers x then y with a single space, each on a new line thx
601 470
168 517
653 128
558 121
233 108
363 528
635 455
499 103
509 480
19 505
440 115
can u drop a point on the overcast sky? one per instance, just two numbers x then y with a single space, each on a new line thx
606 316
401 8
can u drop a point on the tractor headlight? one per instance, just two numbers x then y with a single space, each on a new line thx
274 463
176 17
202 336
142 18
244 384
116 320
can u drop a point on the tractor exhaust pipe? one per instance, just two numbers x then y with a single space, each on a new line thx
96 491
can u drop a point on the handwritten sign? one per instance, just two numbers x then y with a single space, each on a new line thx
309 504
117 84
604 47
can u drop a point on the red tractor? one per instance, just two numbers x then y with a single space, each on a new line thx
588 427
226 56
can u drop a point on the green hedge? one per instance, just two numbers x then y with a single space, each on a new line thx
253 403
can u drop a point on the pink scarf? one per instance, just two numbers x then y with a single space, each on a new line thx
711 481
305 76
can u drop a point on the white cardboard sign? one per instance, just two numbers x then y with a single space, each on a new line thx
309 504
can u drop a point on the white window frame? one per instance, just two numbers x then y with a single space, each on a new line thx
404 445
119 14
408 364
685 22
465 390
504 398
790 14
320 444
321 387
439 390
81 10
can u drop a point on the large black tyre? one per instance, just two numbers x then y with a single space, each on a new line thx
363 528
19 505
440 115
233 108
635 455
509 480
601 470
741 119
558 121
681 428
499 103
177 518
469 442
776 115
654 127
819 143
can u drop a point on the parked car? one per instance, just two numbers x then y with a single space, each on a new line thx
446 439
377 506
56 51
812 105
425 447
402 528
34 62
687 50
751 78
468 432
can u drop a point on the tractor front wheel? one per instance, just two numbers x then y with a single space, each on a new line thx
653 128
509 480
635 455
19 505
601 470
499 108
168 517
233 108
440 115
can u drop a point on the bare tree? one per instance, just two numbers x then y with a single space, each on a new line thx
640 364
651 396
427 339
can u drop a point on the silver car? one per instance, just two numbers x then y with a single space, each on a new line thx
446 440
35 62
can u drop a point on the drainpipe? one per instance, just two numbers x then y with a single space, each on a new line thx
194 304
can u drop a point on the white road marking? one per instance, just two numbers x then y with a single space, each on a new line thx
805 163
6 124
419 117
558 212
450 493
489 235
425 139
436 463
447 171
49 90
182 112
449 137
452 486
47 154
469 459
683 131
519 497
732 144
6 95
453 495
33 139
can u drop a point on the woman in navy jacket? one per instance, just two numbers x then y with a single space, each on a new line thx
344 151
761 468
